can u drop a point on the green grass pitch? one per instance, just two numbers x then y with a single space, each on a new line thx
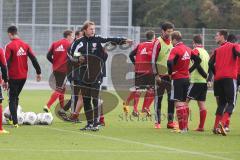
134 139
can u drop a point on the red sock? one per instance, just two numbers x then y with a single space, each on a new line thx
61 100
203 114
225 117
136 100
217 120
187 112
227 123
52 99
180 116
148 99
130 97
101 119
1 117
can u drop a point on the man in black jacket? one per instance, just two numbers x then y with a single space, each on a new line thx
88 51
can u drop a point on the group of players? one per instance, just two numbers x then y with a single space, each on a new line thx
80 58
166 63
163 63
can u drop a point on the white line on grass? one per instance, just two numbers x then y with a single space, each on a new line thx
78 150
99 151
201 154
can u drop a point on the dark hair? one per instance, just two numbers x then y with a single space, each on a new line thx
167 25
67 33
77 33
232 38
223 33
150 35
197 39
13 30
177 36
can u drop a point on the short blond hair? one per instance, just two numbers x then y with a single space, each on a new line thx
86 24
177 36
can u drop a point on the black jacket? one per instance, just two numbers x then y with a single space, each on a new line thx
95 56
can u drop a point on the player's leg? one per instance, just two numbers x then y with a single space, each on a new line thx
186 85
126 103
159 92
13 95
230 91
79 105
2 130
148 99
203 115
179 94
86 93
202 106
171 108
137 96
102 119
95 99
221 106
61 84
157 109
148 82
59 80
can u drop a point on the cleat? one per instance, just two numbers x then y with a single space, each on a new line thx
9 122
46 109
184 131
74 117
157 126
125 108
227 129
199 130
88 127
95 128
176 131
135 114
172 125
4 132
147 111
222 129
15 126
216 131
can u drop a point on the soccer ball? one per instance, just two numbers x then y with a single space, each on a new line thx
30 118
7 113
47 119
21 118
39 118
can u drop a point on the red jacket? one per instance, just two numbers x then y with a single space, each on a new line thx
17 53
180 55
143 57
57 55
226 63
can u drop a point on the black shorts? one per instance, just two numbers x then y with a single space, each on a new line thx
216 88
144 81
197 91
238 81
60 80
1 95
180 89
165 85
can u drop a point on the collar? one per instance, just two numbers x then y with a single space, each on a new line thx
199 46
179 43
223 43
